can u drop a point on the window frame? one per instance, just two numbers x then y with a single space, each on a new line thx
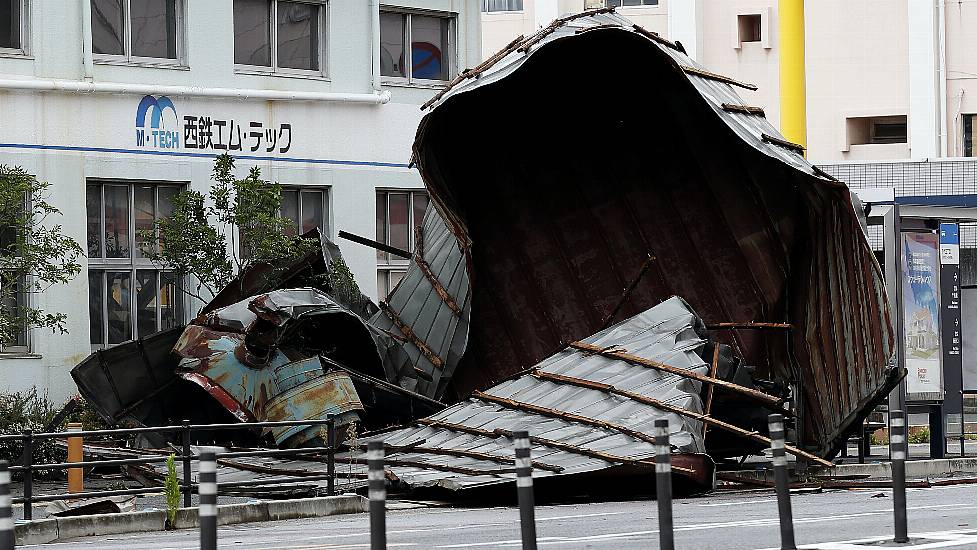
966 138
24 51
326 206
22 300
273 69
452 48
607 4
389 264
521 9
126 58
132 264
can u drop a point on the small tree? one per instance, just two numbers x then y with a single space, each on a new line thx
172 487
193 241
33 255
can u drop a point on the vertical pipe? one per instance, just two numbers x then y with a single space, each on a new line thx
524 487
208 500
776 423
7 538
331 456
378 496
187 471
897 450
793 91
28 474
375 42
663 485
88 61
76 481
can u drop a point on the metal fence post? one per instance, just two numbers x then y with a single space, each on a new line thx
782 481
663 485
76 476
28 474
208 500
7 538
331 456
524 487
897 443
187 471
378 496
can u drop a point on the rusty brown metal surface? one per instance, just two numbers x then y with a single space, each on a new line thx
739 224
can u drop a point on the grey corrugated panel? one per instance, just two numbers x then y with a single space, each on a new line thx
668 333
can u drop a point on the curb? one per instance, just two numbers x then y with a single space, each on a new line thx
55 529
914 468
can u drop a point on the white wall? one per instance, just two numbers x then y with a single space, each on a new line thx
67 138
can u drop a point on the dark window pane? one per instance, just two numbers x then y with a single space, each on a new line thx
165 205
95 305
13 300
10 24
382 288
170 301
146 299
311 210
968 135
252 28
429 47
381 224
392 44
119 315
144 213
108 27
420 205
290 210
153 28
116 221
393 279
398 221
93 203
298 36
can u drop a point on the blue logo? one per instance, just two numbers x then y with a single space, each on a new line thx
157 135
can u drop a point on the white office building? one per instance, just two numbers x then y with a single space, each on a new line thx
119 104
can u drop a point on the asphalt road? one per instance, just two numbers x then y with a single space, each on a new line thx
744 520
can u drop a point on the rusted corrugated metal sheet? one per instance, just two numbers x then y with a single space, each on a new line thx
583 150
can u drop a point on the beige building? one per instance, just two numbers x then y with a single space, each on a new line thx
881 75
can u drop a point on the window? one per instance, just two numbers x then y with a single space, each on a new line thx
129 297
877 130
279 35
431 46
137 30
624 3
968 135
399 213
13 291
13 26
307 208
749 27
501 5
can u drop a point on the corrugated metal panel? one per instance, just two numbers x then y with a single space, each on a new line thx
736 220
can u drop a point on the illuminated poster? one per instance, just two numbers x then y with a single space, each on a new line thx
921 315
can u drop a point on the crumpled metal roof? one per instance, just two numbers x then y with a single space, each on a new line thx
574 429
587 163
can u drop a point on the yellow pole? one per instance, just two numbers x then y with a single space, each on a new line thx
76 483
793 96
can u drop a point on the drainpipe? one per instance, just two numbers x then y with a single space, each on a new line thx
375 42
793 100
941 36
86 33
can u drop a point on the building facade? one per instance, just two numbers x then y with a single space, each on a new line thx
120 104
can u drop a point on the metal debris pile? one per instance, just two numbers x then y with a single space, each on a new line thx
542 293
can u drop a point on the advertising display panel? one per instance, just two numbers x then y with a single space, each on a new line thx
921 316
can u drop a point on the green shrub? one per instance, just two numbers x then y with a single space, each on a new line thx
172 486
919 434
29 411
880 437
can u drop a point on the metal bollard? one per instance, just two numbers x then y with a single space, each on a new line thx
782 481
7 539
331 456
28 474
663 485
378 496
76 479
207 488
897 449
187 471
524 487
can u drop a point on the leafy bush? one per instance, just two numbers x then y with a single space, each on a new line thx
172 487
28 411
920 434
880 437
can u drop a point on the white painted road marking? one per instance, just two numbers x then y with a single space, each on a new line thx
941 539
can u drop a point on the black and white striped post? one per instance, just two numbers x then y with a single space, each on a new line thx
208 500
782 481
524 486
663 485
6 513
897 449
378 496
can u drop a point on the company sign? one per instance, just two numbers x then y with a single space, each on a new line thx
159 127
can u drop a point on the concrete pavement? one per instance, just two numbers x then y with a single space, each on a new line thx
744 520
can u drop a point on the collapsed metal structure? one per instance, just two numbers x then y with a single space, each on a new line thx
562 230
